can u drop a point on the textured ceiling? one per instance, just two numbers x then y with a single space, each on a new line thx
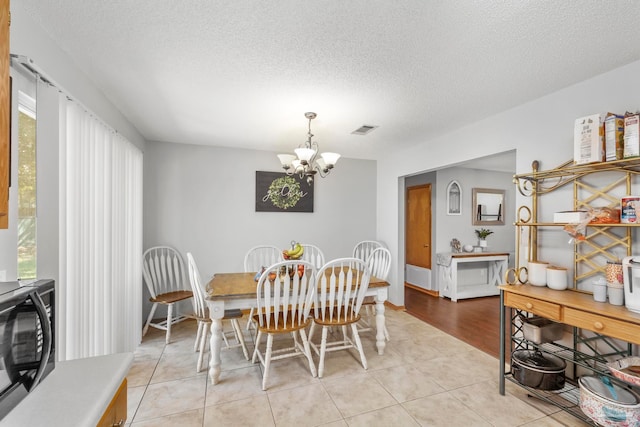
243 73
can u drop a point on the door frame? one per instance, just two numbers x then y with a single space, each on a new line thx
432 185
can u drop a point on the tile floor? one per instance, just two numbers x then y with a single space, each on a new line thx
425 378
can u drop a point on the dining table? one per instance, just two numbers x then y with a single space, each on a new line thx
228 291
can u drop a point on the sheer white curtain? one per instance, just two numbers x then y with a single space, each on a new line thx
100 290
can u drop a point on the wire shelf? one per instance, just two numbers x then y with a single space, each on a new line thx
567 399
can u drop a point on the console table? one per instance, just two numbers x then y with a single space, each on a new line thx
450 265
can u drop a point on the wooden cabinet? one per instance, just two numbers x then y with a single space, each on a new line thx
594 185
116 412
534 306
5 113
574 309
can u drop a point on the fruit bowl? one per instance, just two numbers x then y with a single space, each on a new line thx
295 252
291 270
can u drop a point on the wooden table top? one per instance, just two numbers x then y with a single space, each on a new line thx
477 254
576 300
242 285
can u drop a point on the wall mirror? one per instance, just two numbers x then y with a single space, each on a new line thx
454 198
487 207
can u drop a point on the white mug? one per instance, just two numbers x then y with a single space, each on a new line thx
537 273
600 290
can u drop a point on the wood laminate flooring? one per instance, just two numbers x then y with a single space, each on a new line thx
475 321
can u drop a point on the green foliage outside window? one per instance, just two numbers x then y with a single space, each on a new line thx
26 196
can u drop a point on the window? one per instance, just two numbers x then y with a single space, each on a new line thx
26 187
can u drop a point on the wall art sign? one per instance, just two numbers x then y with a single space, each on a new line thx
278 192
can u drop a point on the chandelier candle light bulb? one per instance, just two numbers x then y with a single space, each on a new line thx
306 162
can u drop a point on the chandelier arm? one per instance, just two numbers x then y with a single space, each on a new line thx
314 147
321 172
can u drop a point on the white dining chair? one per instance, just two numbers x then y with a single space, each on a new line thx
201 315
261 256
313 254
285 296
164 274
379 264
257 258
342 285
362 250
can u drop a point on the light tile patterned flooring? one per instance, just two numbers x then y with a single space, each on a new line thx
425 378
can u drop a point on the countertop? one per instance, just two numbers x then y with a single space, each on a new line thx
76 393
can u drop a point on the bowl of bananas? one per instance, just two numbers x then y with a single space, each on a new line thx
295 252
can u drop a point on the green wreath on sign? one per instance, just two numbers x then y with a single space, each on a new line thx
284 192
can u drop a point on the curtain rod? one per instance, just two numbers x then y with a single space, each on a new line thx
29 65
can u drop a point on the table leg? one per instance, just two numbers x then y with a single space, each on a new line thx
503 328
216 310
381 342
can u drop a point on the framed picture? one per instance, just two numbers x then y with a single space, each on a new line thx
454 198
279 192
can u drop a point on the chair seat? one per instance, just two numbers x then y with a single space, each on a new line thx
164 275
337 320
279 328
171 297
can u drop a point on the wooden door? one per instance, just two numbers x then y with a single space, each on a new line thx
5 108
418 226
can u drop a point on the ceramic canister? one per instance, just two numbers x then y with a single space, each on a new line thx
615 293
600 290
557 278
537 273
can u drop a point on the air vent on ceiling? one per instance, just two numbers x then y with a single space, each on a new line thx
363 130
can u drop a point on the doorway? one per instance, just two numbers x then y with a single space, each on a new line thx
418 236
463 319
473 320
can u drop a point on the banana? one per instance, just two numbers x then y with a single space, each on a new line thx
296 252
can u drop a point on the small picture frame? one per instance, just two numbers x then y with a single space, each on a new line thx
454 198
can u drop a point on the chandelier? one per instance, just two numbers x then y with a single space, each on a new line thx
306 161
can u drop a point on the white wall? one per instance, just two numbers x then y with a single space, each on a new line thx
539 130
202 200
460 226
